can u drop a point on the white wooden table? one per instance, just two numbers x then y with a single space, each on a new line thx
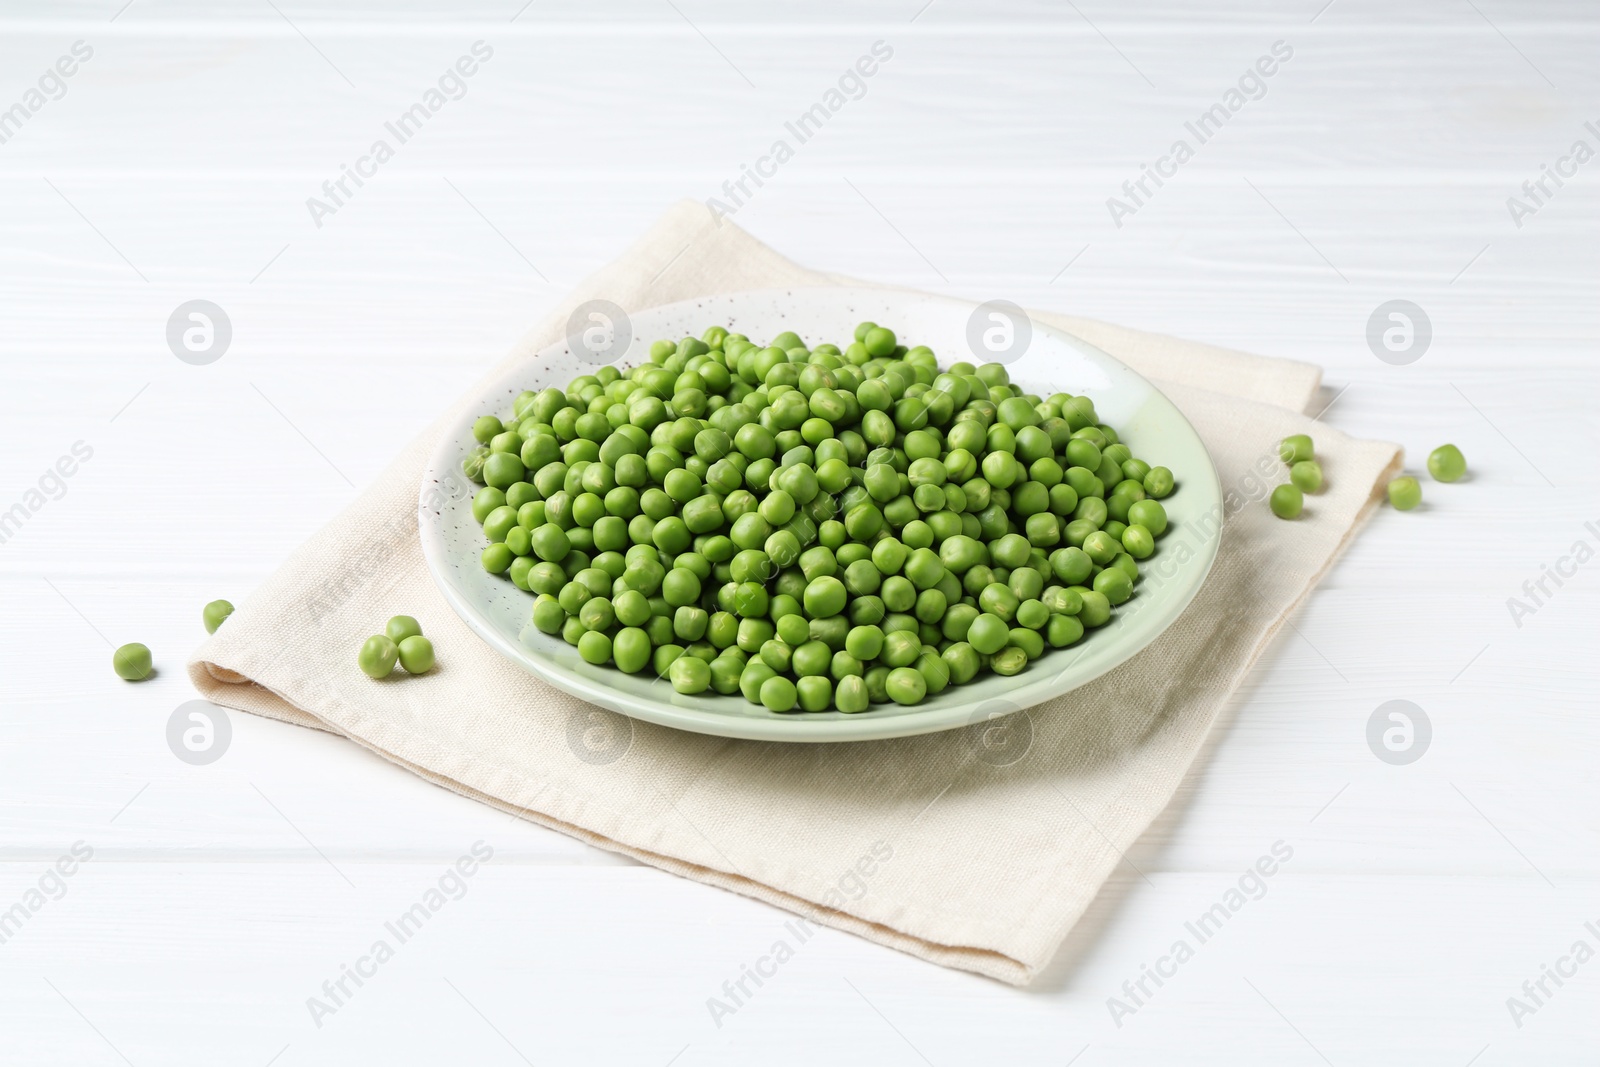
1376 166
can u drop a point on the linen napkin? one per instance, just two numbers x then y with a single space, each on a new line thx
976 848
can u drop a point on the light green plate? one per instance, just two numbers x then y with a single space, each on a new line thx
1040 358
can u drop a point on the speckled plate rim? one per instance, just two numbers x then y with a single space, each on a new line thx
1054 361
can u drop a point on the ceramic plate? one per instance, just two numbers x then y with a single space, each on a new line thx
1042 359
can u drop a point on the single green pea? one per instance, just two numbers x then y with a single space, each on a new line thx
1405 493
1101 547
1158 482
548 617
905 686
1295 447
502 470
1113 584
850 695
811 658
401 627
1306 474
496 559
416 654
963 661
377 656
1063 630
132 662
778 694
1287 501
1447 464
987 634
901 648
486 428
595 647
825 597
690 675
214 614
631 649
1096 609
1138 542
815 693
1008 661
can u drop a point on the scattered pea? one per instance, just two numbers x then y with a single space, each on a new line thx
1295 447
416 654
215 614
1306 474
1405 493
1447 464
1287 501
401 627
377 656
132 662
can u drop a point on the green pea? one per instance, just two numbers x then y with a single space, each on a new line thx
502 470
778 694
401 627
1287 501
1294 448
725 671
496 559
1158 482
850 695
1071 565
132 662
905 686
377 656
690 675
548 617
1306 475
1101 547
1149 514
1138 543
1113 584
825 597
214 614
1063 630
1008 661
1030 641
595 647
631 649
1405 493
987 634
811 658
1096 608
963 662
485 429
1447 464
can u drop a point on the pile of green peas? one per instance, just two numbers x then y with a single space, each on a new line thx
814 528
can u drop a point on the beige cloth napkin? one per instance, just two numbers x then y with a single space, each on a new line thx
972 850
